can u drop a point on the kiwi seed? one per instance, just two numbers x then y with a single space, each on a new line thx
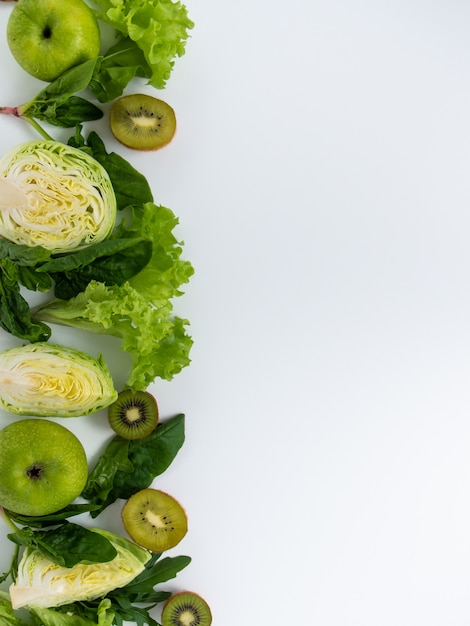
186 608
142 122
134 414
154 520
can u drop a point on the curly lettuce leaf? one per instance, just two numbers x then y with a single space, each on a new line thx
158 344
158 27
139 311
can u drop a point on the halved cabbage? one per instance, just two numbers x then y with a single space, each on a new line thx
55 196
43 583
50 380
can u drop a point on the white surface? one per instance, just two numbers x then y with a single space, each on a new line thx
320 173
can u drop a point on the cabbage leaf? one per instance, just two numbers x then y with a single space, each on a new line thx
140 311
50 380
42 583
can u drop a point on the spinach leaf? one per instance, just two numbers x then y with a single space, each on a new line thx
111 262
57 103
15 313
131 188
128 466
53 518
71 112
67 544
114 71
21 254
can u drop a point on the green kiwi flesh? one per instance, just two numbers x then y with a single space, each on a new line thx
186 608
134 414
154 519
142 122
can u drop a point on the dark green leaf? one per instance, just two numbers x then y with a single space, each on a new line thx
15 313
114 71
67 544
73 111
21 254
128 466
150 457
111 262
100 481
67 84
130 186
156 571
53 518
57 103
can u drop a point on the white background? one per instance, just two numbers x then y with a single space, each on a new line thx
320 174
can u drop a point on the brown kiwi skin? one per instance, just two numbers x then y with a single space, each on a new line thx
121 110
133 431
205 619
146 540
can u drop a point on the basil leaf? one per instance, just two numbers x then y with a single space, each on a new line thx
128 466
67 545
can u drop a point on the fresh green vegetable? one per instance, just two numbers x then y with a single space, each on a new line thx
52 519
7 615
15 313
103 616
159 28
43 583
115 70
131 188
54 196
57 103
139 311
112 262
131 603
127 466
67 545
50 380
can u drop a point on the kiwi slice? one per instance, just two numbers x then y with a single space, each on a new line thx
134 414
142 122
186 608
154 519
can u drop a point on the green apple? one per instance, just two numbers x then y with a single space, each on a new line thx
47 37
43 467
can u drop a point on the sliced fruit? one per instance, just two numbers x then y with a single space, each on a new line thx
154 520
142 122
134 414
186 608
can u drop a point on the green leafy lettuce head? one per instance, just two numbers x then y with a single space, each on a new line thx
49 380
43 583
55 196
